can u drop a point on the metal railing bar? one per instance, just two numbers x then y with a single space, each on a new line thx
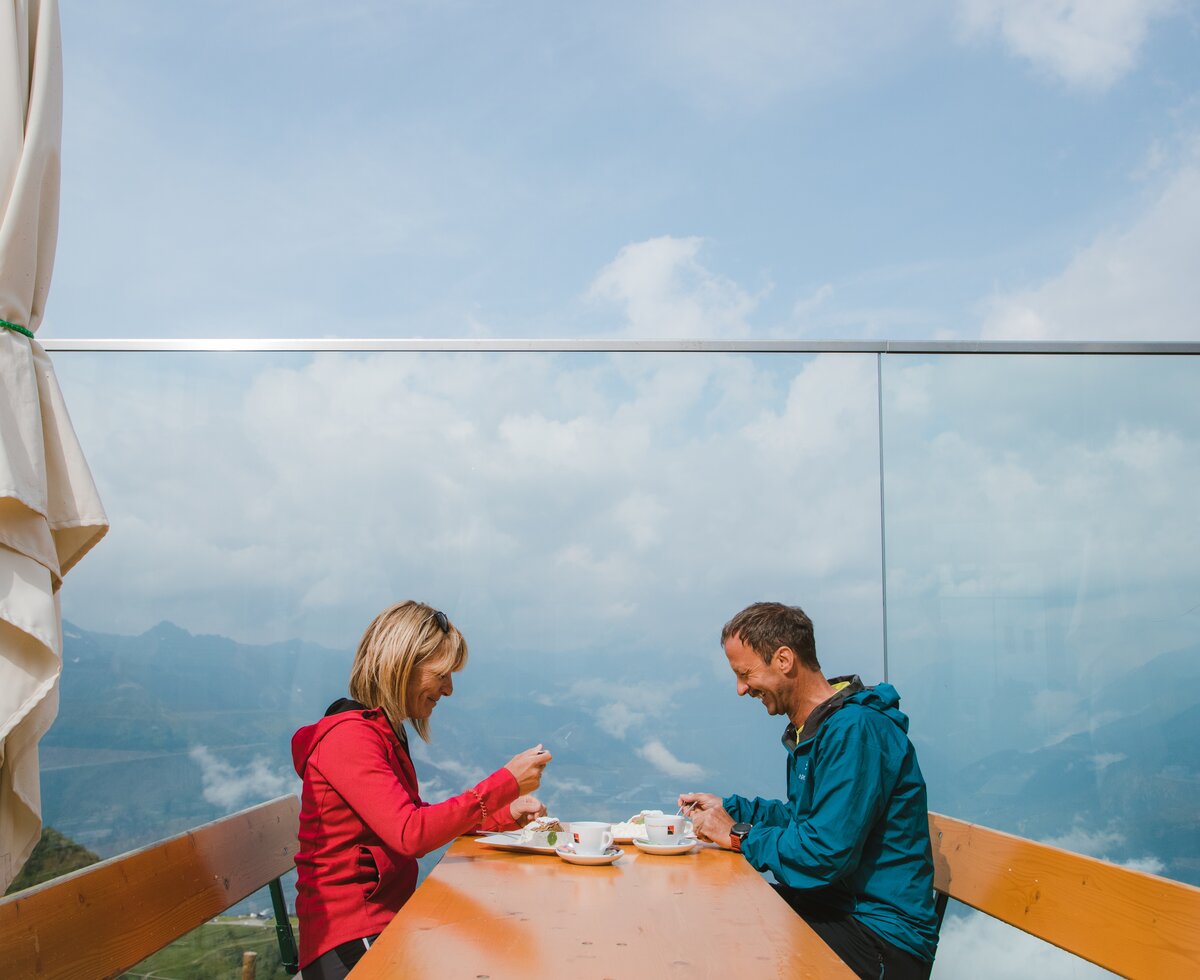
883 593
666 346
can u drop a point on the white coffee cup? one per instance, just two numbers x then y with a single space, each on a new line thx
591 837
665 828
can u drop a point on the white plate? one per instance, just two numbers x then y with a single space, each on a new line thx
608 857
681 848
513 842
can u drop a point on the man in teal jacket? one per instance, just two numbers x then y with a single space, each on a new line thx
850 845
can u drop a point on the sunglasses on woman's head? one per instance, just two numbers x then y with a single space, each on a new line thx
439 617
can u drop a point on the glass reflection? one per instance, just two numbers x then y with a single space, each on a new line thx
588 520
1042 584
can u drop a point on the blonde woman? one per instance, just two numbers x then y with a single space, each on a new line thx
363 823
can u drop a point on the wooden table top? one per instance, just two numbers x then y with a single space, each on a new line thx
489 913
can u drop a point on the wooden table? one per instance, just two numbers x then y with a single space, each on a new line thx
488 913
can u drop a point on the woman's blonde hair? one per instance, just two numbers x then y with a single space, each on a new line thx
402 638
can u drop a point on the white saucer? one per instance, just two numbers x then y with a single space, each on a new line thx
567 853
683 847
511 841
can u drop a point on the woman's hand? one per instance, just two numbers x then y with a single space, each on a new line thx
526 808
527 767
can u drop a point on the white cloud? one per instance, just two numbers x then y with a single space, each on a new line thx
1137 283
232 787
317 489
1101 843
619 708
1086 43
1095 843
1148 864
659 756
434 789
983 948
465 773
616 719
568 788
665 291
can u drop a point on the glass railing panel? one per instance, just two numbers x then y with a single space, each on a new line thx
588 520
1043 569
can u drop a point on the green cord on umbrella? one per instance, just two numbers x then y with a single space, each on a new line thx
17 327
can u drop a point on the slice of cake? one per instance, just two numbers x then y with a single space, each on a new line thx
542 832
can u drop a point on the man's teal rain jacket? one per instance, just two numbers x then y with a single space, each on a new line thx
854 831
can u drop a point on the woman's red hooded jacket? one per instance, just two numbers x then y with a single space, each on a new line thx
363 825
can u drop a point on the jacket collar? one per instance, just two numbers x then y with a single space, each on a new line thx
349 704
794 737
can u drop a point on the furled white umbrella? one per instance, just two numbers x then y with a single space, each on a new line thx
50 512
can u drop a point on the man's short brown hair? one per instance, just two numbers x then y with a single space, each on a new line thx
766 626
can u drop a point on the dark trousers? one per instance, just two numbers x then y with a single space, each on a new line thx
870 956
337 962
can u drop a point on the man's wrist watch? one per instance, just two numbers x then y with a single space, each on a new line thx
736 833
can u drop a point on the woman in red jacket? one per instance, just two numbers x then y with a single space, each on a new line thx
363 823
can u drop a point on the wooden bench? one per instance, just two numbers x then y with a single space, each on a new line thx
1129 922
101 920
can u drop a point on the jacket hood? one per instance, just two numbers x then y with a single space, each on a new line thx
305 741
885 699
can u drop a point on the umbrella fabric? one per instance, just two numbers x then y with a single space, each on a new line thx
50 512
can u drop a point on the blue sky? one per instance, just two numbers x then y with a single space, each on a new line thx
938 169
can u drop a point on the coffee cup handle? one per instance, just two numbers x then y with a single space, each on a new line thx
608 839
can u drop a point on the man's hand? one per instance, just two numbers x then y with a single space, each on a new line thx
708 816
691 802
526 808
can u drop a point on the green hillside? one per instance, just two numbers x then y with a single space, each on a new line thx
215 950
53 855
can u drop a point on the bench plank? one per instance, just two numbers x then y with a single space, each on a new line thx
1129 922
101 920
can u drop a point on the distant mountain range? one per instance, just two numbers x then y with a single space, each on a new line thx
160 732
164 731
1127 789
